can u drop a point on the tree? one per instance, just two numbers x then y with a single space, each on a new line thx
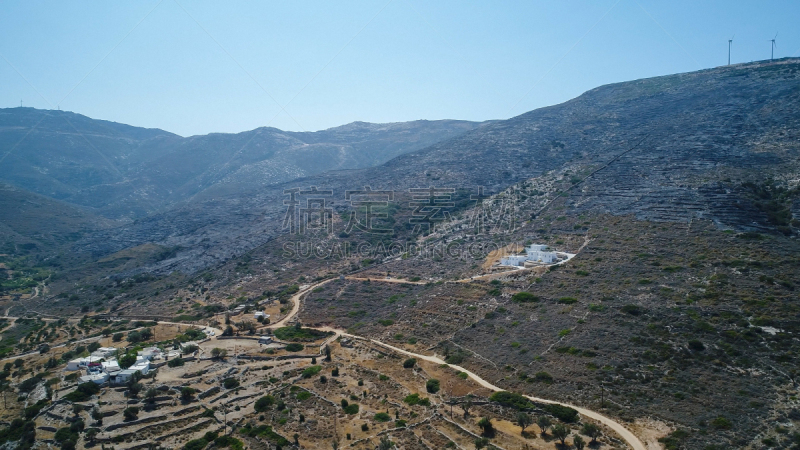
91 433
93 346
131 413
385 444
560 432
466 406
97 415
117 337
591 430
544 423
296 441
151 395
432 385
187 394
128 360
523 420
481 443
134 389
327 353
486 427
228 331
264 403
218 353
409 363
577 441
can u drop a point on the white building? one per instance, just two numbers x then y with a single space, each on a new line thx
124 376
265 340
260 314
149 353
97 378
536 253
81 363
142 366
110 366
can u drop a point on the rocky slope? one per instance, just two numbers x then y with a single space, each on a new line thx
672 148
122 171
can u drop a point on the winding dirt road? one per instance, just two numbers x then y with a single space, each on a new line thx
634 442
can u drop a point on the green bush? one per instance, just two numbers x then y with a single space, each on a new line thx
230 383
721 423
409 363
524 297
351 409
294 347
382 417
543 377
567 300
196 444
415 399
432 385
511 399
632 310
264 403
175 362
311 371
562 413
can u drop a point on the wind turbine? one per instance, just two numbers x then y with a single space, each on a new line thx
730 41
772 55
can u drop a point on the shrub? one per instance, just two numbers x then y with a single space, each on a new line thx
230 383
264 403
175 362
511 399
432 385
562 413
543 377
386 322
294 347
196 444
409 363
567 300
524 297
351 409
382 417
632 310
187 393
696 345
303 395
415 399
311 371
131 413
721 423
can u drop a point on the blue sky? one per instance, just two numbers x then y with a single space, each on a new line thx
195 67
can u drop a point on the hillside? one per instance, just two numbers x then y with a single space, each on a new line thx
672 149
125 172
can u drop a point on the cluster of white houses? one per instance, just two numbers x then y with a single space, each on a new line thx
102 366
534 254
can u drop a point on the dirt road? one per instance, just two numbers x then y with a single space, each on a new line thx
634 442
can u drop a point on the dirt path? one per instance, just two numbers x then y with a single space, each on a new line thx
634 442
626 434
296 304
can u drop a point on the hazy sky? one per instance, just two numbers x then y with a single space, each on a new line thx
194 67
